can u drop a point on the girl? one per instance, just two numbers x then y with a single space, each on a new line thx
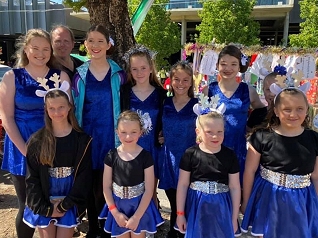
22 111
237 97
178 133
284 192
96 89
59 167
209 183
143 93
128 183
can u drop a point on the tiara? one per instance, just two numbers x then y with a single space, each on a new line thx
56 79
145 120
137 49
207 105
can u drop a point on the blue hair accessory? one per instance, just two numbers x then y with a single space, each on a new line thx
281 70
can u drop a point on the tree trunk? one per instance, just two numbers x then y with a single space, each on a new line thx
119 17
113 14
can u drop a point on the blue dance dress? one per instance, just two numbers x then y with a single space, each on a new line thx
134 178
283 201
98 119
179 134
236 115
150 105
29 117
58 187
208 207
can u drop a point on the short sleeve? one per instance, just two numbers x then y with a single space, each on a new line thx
148 160
256 140
185 163
109 159
235 167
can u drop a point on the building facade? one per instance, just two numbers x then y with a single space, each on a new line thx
18 16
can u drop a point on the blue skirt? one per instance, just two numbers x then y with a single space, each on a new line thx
274 211
58 187
209 215
148 223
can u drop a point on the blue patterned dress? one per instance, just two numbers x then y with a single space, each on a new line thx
150 105
236 115
98 117
179 134
29 117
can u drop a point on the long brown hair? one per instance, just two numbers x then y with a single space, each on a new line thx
43 142
142 51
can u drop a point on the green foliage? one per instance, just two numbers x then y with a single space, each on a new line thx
309 28
75 4
228 21
157 32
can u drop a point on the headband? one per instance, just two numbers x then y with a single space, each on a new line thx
207 105
64 86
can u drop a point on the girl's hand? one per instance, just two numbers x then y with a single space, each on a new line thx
181 223
132 223
121 219
56 213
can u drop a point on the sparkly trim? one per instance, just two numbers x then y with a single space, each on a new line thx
210 187
285 180
128 192
60 172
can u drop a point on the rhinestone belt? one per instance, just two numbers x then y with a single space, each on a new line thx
209 187
60 172
128 192
286 180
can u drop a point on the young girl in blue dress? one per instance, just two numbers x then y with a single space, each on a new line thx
209 192
281 200
59 167
22 111
178 133
237 96
144 93
128 183
96 90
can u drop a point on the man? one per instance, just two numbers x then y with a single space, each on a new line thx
63 40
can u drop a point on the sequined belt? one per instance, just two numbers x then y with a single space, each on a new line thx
60 172
210 187
285 180
128 192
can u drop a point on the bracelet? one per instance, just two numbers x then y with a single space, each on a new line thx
180 213
112 207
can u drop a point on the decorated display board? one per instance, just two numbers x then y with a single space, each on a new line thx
299 64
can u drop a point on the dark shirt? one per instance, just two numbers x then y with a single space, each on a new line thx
289 155
128 173
76 62
210 167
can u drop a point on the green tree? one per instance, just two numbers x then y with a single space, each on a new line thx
114 15
228 21
309 28
157 32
